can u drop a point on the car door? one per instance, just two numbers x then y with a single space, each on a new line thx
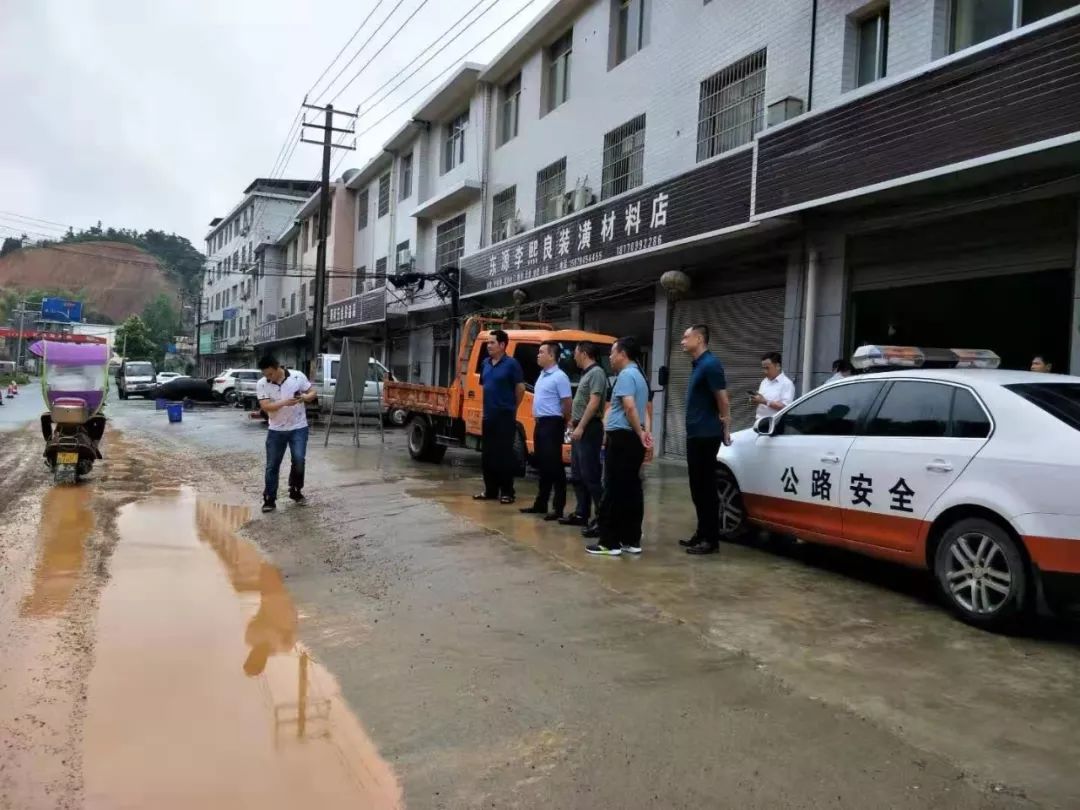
912 448
472 409
373 389
792 483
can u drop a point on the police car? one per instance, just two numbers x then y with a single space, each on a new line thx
939 461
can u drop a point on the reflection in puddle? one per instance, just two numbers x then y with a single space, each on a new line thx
201 695
66 524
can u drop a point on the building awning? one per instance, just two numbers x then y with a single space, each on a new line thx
450 201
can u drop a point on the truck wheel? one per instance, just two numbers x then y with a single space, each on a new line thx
521 456
422 446
122 393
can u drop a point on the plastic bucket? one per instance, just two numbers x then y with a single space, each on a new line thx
159 404
176 412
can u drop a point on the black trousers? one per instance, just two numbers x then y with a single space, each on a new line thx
547 455
622 507
701 468
497 454
586 471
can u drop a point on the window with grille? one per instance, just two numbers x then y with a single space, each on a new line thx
550 188
624 158
405 177
558 57
503 207
358 284
732 107
454 144
508 110
303 296
872 46
384 195
631 28
380 273
450 242
362 203
403 255
292 304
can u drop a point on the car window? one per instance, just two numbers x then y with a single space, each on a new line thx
335 366
481 356
833 411
374 373
1061 400
913 409
525 354
969 420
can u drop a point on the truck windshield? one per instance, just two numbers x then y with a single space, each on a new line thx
1057 399
525 354
139 370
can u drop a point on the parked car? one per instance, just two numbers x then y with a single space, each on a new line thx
224 385
135 378
326 375
168 376
969 472
183 388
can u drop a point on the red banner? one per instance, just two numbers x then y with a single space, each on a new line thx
60 337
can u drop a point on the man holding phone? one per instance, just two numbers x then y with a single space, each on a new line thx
283 395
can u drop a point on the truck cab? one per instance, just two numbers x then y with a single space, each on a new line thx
135 378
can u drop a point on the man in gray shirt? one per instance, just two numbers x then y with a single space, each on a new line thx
587 419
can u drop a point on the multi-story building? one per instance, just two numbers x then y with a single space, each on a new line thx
283 275
228 310
804 177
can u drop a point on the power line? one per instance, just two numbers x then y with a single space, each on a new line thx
345 46
428 60
381 49
359 51
450 68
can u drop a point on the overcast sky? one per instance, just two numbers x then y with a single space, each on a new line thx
158 114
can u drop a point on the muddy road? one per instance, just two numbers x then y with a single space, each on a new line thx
394 644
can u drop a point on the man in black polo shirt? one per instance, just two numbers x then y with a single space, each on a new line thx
504 388
708 421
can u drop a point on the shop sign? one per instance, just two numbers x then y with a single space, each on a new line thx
369 307
288 328
705 199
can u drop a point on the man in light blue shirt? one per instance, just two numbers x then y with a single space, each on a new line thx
551 410
622 507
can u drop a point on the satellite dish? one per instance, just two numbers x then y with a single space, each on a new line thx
349 175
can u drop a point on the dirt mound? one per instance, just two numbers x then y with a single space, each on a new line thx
116 279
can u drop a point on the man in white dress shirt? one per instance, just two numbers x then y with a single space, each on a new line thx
776 391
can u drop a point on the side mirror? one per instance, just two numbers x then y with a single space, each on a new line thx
764 426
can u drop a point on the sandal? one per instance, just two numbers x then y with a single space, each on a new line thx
483 496
507 499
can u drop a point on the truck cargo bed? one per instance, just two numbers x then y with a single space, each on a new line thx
416 398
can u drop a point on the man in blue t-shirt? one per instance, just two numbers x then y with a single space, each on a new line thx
622 506
504 388
708 425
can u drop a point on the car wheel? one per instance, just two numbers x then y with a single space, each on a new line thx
422 445
229 396
982 574
122 393
732 511
397 417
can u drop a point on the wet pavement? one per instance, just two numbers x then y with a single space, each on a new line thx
162 648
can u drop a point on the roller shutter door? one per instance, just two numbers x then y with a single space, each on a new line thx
1016 239
742 327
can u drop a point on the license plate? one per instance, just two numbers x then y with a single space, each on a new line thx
67 458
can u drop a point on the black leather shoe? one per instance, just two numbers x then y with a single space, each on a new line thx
573 519
689 542
553 516
532 510
704 548
591 532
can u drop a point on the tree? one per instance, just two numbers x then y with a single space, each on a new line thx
134 338
161 320
11 244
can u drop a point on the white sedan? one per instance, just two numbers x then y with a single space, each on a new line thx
973 474
168 376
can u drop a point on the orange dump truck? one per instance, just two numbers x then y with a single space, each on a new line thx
452 416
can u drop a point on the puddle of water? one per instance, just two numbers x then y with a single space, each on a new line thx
201 695
66 523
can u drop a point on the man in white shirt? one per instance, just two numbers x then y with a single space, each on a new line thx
283 394
776 391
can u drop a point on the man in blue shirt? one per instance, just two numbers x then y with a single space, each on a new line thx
551 410
504 388
708 424
622 507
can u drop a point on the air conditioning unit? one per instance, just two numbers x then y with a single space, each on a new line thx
512 227
581 197
562 205
404 258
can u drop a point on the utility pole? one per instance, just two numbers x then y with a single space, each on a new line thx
328 146
198 320
22 329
